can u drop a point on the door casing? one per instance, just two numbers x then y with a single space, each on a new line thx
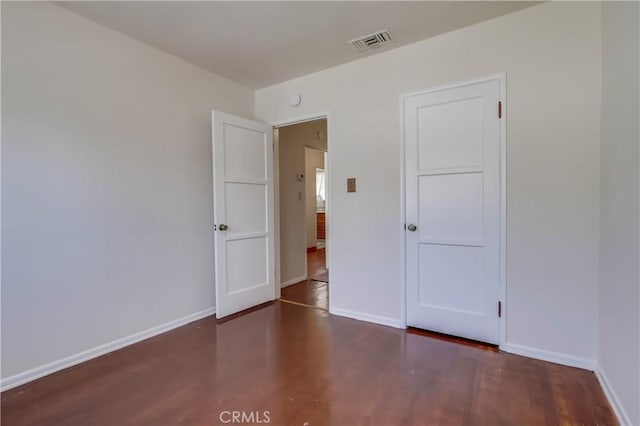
502 285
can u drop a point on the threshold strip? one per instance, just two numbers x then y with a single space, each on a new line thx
302 304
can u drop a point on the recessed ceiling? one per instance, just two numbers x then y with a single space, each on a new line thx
258 44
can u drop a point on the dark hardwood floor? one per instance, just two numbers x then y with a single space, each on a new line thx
306 367
317 265
313 292
310 293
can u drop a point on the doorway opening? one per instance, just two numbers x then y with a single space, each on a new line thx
301 153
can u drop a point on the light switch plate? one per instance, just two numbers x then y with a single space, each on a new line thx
351 184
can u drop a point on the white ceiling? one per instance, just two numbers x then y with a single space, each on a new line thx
261 43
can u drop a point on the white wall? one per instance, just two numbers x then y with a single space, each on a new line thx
292 141
551 53
313 159
106 185
619 301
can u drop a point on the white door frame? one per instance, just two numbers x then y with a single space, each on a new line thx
502 80
276 168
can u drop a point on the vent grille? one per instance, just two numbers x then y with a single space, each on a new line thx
371 41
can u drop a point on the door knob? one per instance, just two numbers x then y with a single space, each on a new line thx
412 227
223 227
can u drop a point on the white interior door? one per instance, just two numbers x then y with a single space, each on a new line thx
452 183
243 213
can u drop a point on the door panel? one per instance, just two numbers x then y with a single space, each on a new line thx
243 203
240 276
451 207
245 153
247 205
450 134
441 263
453 197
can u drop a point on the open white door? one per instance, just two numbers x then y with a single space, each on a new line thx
243 213
452 143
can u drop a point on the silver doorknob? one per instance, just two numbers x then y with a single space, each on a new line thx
412 227
223 227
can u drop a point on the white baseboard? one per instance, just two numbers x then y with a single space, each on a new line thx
555 357
618 409
293 281
45 370
376 319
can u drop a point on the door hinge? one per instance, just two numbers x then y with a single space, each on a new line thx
499 309
499 109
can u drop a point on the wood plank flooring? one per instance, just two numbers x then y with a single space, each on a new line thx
317 265
306 367
313 292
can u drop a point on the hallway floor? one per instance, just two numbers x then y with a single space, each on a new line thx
313 292
317 265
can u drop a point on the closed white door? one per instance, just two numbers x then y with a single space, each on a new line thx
243 213
453 210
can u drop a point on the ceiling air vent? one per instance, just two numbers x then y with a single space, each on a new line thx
371 41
